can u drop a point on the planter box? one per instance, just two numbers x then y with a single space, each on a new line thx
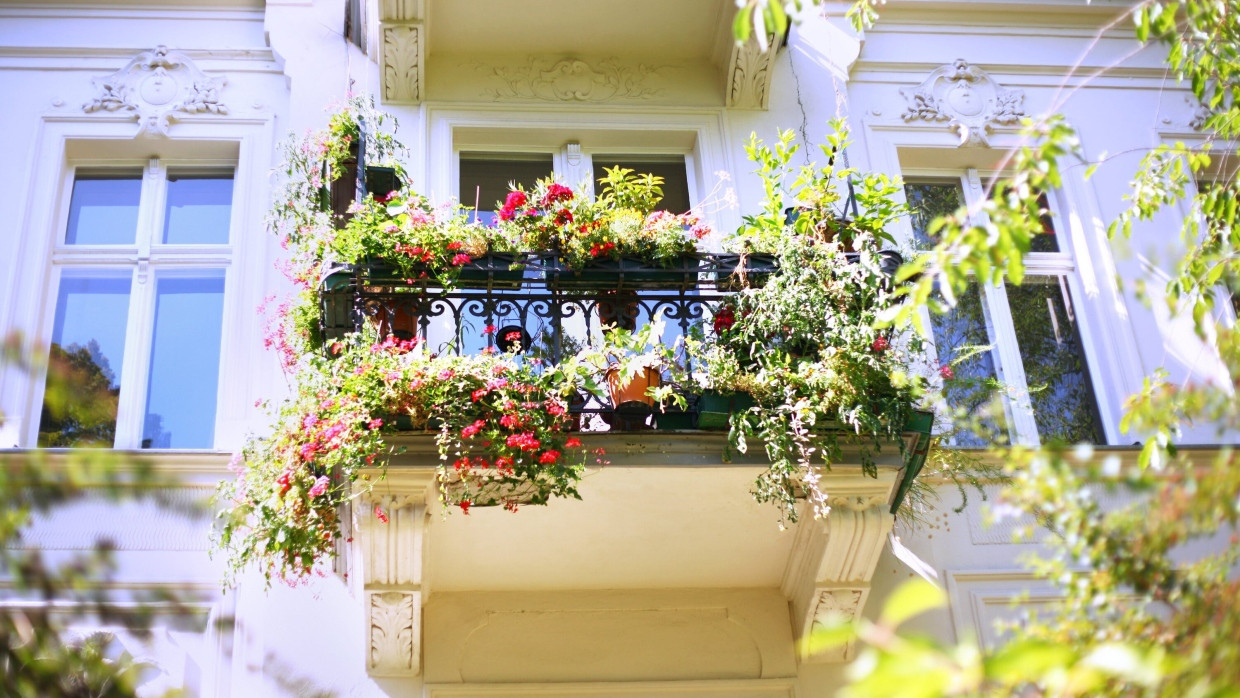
625 273
674 420
715 409
493 270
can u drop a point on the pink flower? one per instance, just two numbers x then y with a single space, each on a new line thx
473 429
446 374
508 421
380 515
320 487
946 372
478 394
375 423
880 344
515 200
461 259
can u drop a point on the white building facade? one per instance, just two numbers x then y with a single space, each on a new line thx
667 579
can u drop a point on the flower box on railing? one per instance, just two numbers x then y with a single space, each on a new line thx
626 273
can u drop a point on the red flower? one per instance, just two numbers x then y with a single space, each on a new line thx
384 198
478 394
515 200
503 463
524 441
563 217
549 456
572 442
489 329
465 503
453 246
473 429
461 259
556 192
947 372
880 344
380 515
724 319
513 336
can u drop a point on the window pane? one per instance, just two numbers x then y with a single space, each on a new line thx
672 170
84 362
927 201
1050 349
104 209
198 209
962 333
485 178
185 363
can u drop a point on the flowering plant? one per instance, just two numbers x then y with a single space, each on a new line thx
419 241
503 439
621 222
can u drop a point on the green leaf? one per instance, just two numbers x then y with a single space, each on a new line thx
911 599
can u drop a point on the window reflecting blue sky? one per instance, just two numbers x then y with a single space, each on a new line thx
185 362
104 209
198 209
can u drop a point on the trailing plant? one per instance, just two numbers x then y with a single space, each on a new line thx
803 345
502 435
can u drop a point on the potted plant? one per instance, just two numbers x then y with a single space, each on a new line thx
617 241
402 238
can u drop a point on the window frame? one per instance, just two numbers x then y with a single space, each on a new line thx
997 310
147 261
245 144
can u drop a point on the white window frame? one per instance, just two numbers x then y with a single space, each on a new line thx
147 260
245 374
997 309
698 136
1108 337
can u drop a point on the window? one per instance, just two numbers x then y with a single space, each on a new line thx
485 178
138 308
1035 345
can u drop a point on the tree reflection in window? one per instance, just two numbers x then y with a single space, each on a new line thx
1060 390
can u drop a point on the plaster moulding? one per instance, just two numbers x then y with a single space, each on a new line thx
570 80
965 97
749 74
403 63
155 87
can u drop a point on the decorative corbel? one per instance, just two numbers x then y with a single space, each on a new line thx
402 26
833 560
749 74
388 550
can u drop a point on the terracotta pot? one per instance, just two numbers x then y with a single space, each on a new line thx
630 397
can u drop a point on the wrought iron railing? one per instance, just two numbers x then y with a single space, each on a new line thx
551 310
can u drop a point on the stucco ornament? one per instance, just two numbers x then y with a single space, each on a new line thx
965 97
571 80
156 86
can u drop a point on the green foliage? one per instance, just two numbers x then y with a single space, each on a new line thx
37 657
1149 596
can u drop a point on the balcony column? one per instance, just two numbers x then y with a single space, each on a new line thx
387 549
833 558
